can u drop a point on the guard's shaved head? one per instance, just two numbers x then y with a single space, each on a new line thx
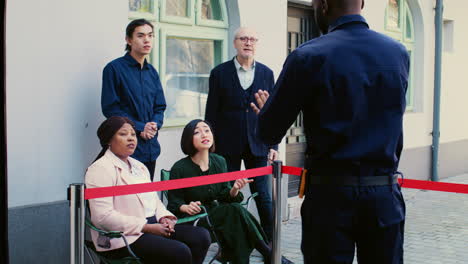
346 6
327 11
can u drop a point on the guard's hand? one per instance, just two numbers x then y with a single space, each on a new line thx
272 155
191 209
261 97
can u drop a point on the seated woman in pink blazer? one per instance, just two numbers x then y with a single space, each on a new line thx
150 229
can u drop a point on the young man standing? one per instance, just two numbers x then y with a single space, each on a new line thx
131 88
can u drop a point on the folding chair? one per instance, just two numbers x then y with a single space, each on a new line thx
165 175
89 246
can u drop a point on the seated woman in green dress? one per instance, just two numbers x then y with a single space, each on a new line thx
237 230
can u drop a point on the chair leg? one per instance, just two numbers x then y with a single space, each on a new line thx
212 230
218 253
215 257
89 255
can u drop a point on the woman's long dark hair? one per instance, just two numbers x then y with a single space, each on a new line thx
107 130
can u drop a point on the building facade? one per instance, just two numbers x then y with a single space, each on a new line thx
56 50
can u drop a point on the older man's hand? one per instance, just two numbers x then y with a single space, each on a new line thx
261 97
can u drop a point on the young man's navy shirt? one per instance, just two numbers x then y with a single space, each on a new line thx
135 92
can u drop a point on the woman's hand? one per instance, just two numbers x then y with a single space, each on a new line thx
170 221
158 229
191 209
239 184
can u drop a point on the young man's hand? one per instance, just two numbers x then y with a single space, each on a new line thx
150 130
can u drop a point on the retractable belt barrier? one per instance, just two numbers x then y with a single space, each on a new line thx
78 194
174 184
231 176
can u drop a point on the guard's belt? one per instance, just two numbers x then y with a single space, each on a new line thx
352 180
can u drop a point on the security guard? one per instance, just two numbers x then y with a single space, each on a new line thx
350 84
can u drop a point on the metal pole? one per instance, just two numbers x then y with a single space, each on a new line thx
77 215
437 89
276 247
4 247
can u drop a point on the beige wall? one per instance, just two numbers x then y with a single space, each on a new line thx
269 19
55 52
454 98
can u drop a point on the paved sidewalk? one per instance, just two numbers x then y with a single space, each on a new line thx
436 230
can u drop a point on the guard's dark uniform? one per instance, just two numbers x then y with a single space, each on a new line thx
350 85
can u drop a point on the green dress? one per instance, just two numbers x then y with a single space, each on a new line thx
237 229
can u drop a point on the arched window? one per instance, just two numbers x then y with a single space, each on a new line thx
191 38
400 26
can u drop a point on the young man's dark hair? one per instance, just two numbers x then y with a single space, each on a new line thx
131 28
186 141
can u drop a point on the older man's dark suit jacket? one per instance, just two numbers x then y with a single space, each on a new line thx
229 112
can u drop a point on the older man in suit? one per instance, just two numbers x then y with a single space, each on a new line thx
232 88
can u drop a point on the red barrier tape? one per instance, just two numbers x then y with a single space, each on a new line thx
93 193
291 170
434 186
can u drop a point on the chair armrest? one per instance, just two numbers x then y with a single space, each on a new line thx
113 234
110 234
247 202
193 217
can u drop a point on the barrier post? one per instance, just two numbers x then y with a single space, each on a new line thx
276 246
77 215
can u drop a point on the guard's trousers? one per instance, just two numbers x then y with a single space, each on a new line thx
338 219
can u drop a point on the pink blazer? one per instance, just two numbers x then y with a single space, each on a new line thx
119 213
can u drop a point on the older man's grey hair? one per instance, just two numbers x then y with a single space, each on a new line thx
238 30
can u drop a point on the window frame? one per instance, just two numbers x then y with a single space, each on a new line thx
153 17
189 20
220 35
397 31
223 23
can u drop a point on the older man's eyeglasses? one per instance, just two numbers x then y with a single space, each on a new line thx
247 39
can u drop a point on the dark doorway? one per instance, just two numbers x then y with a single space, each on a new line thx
301 28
